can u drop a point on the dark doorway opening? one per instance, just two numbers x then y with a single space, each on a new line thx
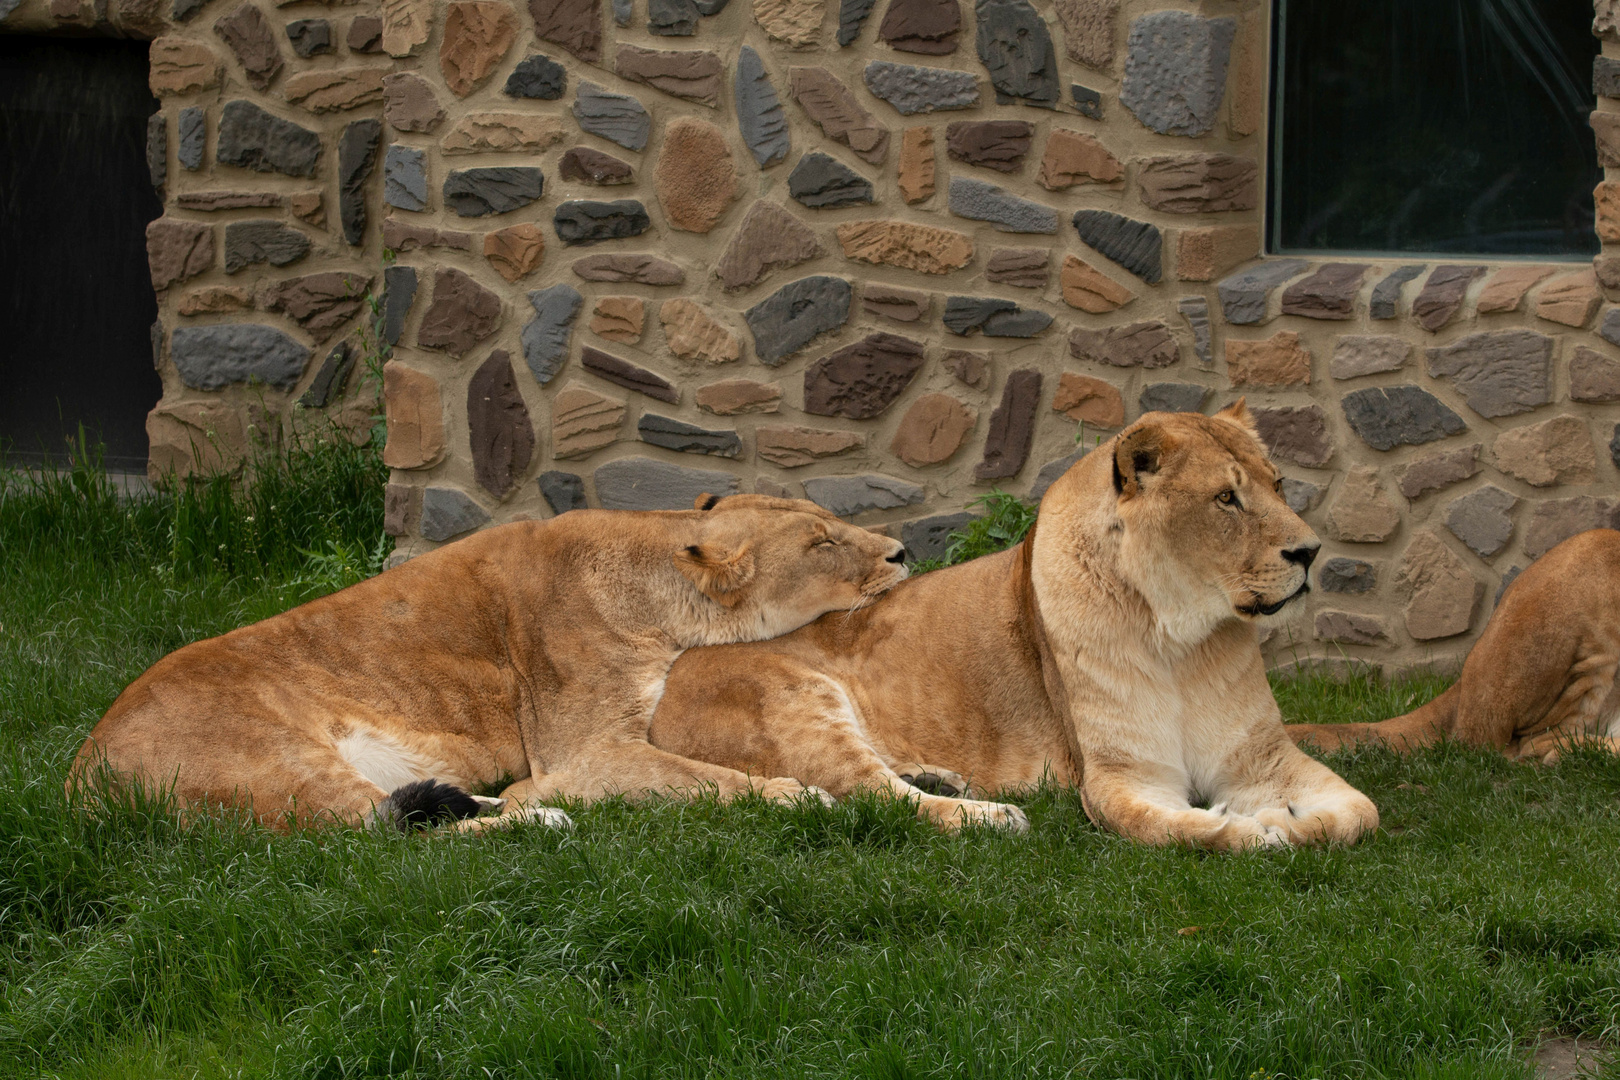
76 303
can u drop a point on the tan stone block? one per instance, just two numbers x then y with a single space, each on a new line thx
181 66
215 300
693 334
1606 129
1441 592
415 416
1507 288
1362 511
923 248
479 132
916 164
1207 253
696 175
1593 376
515 251
1075 158
1088 31
407 25
1606 196
791 447
1572 299
1091 401
583 421
619 318
335 90
177 250
768 239
308 206
932 430
1246 90
1346 628
1089 289
1556 451
796 22
732 396
1279 360
194 437
477 34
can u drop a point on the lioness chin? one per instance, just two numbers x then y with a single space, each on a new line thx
1116 648
535 650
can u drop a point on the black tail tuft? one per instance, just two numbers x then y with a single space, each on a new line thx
426 802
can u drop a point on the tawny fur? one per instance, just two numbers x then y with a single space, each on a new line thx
536 650
1541 676
1115 649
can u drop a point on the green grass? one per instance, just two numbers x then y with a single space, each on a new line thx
699 940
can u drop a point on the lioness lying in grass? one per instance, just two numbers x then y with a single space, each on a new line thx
535 650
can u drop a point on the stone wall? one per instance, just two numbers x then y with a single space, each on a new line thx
886 256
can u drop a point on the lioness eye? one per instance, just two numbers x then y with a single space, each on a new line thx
1227 498
825 541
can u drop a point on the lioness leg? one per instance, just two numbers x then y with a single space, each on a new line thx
520 802
1148 802
632 767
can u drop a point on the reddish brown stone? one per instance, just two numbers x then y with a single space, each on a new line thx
932 430
407 25
1027 268
1556 451
228 200
969 367
576 25
320 303
1593 376
1330 293
415 418
696 176
177 250
477 35
1199 183
249 36
901 305
215 300
583 421
364 34
1297 434
498 427
1089 289
1443 294
1606 199
790 447
515 251
841 117
1091 401
619 318
334 89
1280 360
462 314
1142 344
308 206
1074 158
1205 254
924 248
180 66
1012 427
694 334
641 269
1508 286
593 167
681 73
628 375
409 103
732 396
921 26
1572 299
402 236
916 170
861 380
769 238
994 144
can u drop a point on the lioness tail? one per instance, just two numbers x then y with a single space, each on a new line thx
425 802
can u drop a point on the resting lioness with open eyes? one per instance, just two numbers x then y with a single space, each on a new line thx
1115 649
535 650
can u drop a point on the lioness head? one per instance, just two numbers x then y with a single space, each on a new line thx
776 564
1203 531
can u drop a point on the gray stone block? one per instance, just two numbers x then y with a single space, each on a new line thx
618 118
640 483
399 293
994 316
1482 519
978 200
497 190
1609 327
1135 245
1386 295
1300 495
1175 70
1343 575
157 150
930 537
674 434
193 136
759 111
1355 355
1389 416
820 181
622 11
792 316
545 337
563 491
212 357
847 496
1173 397
1087 100
1016 48
586 221
330 380
1606 76
8 6
912 89
1051 471
405 180
310 36
538 77
249 242
251 138
1195 309
851 15
1243 295
672 18
1498 373
357 156
448 511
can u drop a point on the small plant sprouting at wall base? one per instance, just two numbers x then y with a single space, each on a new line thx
1005 521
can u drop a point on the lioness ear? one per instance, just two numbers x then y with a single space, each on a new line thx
1238 413
1139 454
719 574
705 501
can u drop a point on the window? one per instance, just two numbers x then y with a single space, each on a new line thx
1433 127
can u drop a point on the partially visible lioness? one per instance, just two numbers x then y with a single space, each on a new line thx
534 650
1541 676
1116 648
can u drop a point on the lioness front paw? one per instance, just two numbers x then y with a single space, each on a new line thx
786 791
539 815
996 815
933 779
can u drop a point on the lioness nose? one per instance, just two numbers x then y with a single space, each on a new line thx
1305 554
899 555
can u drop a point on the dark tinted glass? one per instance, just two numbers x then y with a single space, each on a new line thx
76 297
1434 126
